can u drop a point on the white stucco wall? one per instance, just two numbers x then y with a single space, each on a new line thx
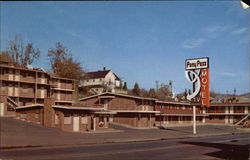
89 82
110 77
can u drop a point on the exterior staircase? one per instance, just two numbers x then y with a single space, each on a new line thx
244 121
12 103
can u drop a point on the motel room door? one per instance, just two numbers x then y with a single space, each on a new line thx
75 124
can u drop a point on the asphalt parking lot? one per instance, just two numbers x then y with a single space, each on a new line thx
17 133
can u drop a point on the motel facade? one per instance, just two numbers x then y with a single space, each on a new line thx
35 95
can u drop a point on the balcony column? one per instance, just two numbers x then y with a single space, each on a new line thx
246 110
231 109
226 119
231 119
226 109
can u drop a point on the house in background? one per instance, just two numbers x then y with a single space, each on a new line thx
102 81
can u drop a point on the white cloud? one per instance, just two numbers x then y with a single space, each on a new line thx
216 28
228 74
193 43
239 31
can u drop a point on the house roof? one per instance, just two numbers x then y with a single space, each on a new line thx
134 111
99 74
29 106
78 108
115 94
102 95
172 102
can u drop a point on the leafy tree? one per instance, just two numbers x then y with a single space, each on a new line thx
70 69
57 56
125 86
136 90
62 63
152 93
164 92
22 54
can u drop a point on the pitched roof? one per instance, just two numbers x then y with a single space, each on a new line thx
116 94
99 74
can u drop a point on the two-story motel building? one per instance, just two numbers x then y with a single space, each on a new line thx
37 96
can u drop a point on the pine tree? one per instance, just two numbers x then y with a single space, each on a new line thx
125 86
152 93
136 90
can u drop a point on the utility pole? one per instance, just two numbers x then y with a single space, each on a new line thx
194 109
227 96
234 92
171 89
157 85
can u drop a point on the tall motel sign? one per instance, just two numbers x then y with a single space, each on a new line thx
197 73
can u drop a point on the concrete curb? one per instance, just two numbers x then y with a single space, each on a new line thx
125 140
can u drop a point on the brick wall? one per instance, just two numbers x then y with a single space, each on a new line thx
3 99
90 102
84 120
215 119
34 115
49 112
121 103
125 118
132 119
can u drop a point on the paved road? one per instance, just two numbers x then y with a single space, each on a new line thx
234 147
17 133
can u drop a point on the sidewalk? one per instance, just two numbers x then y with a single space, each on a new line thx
17 134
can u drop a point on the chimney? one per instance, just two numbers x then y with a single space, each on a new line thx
104 68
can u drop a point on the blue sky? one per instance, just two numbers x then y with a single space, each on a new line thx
140 41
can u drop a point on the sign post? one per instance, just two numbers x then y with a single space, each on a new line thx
194 119
197 73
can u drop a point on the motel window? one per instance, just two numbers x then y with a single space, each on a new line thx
150 103
25 86
101 119
23 115
67 119
25 75
84 120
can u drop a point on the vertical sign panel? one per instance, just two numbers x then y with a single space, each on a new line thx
204 92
